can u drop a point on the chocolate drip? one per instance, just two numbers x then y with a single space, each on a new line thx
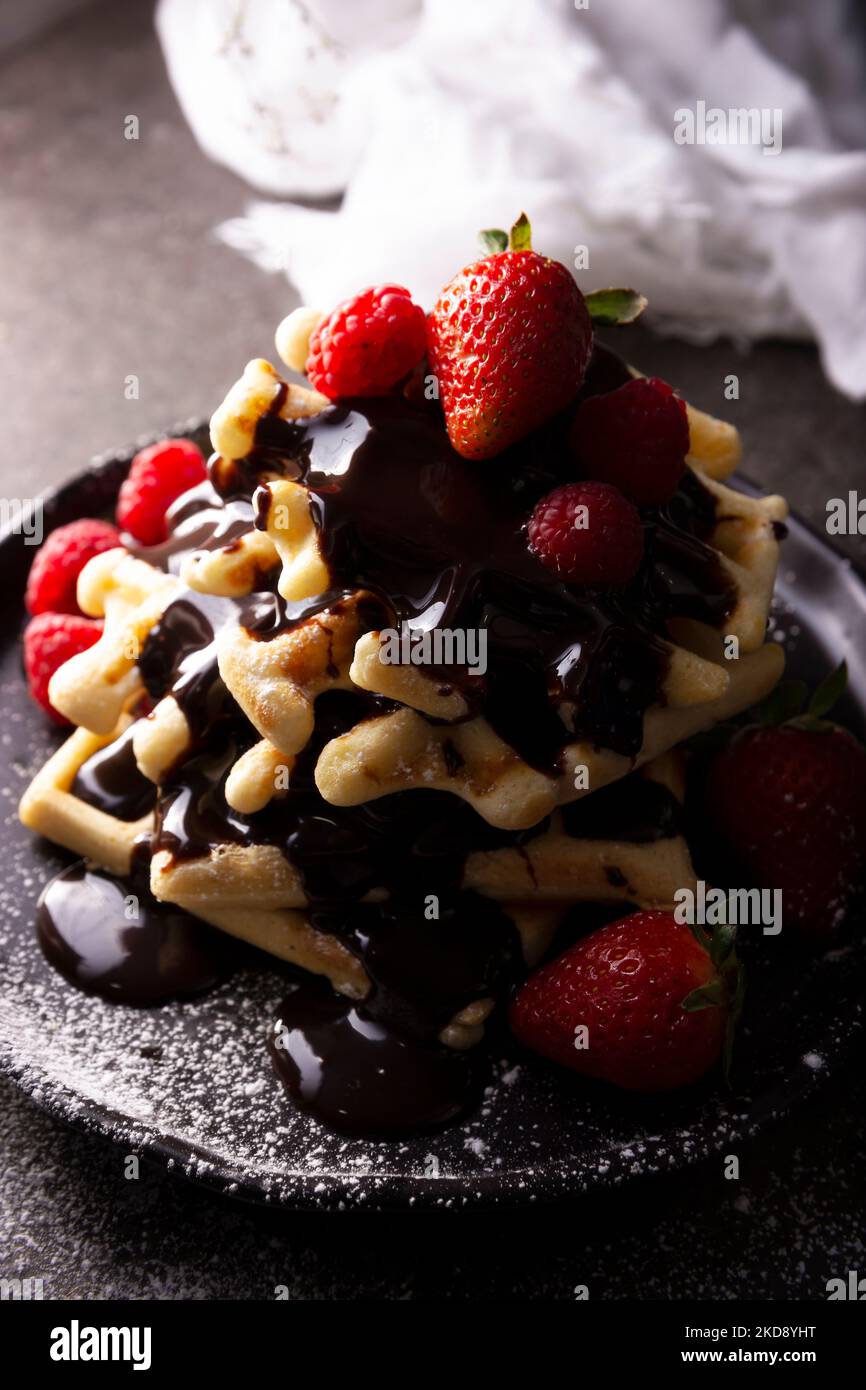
199 520
341 852
425 969
110 781
606 372
179 656
111 937
357 1075
378 1067
635 809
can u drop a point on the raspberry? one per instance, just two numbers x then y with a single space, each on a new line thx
368 344
158 476
55 570
636 437
587 533
50 639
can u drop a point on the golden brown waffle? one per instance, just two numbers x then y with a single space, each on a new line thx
553 866
276 683
49 807
95 688
252 892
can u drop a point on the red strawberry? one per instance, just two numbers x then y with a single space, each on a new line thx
509 340
58 563
654 1002
158 476
635 437
789 803
367 344
587 533
50 639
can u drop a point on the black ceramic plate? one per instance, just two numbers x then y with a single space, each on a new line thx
191 1084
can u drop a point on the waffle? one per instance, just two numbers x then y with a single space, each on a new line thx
287 778
253 893
50 808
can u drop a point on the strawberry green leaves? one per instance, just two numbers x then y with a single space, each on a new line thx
785 704
727 991
609 306
831 689
615 306
707 997
493 240
520 237
735 1013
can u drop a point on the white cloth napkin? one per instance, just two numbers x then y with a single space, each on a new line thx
435 118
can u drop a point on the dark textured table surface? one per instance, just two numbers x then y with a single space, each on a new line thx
108 267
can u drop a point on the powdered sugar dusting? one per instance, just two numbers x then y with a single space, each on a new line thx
193 1083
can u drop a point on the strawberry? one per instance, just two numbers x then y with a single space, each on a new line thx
658 1004
508 340
788 801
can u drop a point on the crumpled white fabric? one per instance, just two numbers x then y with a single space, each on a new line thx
437 117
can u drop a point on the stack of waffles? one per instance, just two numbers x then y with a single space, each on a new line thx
409 832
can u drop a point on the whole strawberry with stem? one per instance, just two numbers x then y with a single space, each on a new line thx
787 799
646 1003
508 339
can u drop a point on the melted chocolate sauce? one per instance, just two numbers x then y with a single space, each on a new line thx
179 655
378 1067
110 781
424 971
199 520
357 1075
111 937
635 809
341 852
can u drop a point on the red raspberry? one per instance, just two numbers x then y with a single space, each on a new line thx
158 476
368 344
55 570
636 437
50 639
602 544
